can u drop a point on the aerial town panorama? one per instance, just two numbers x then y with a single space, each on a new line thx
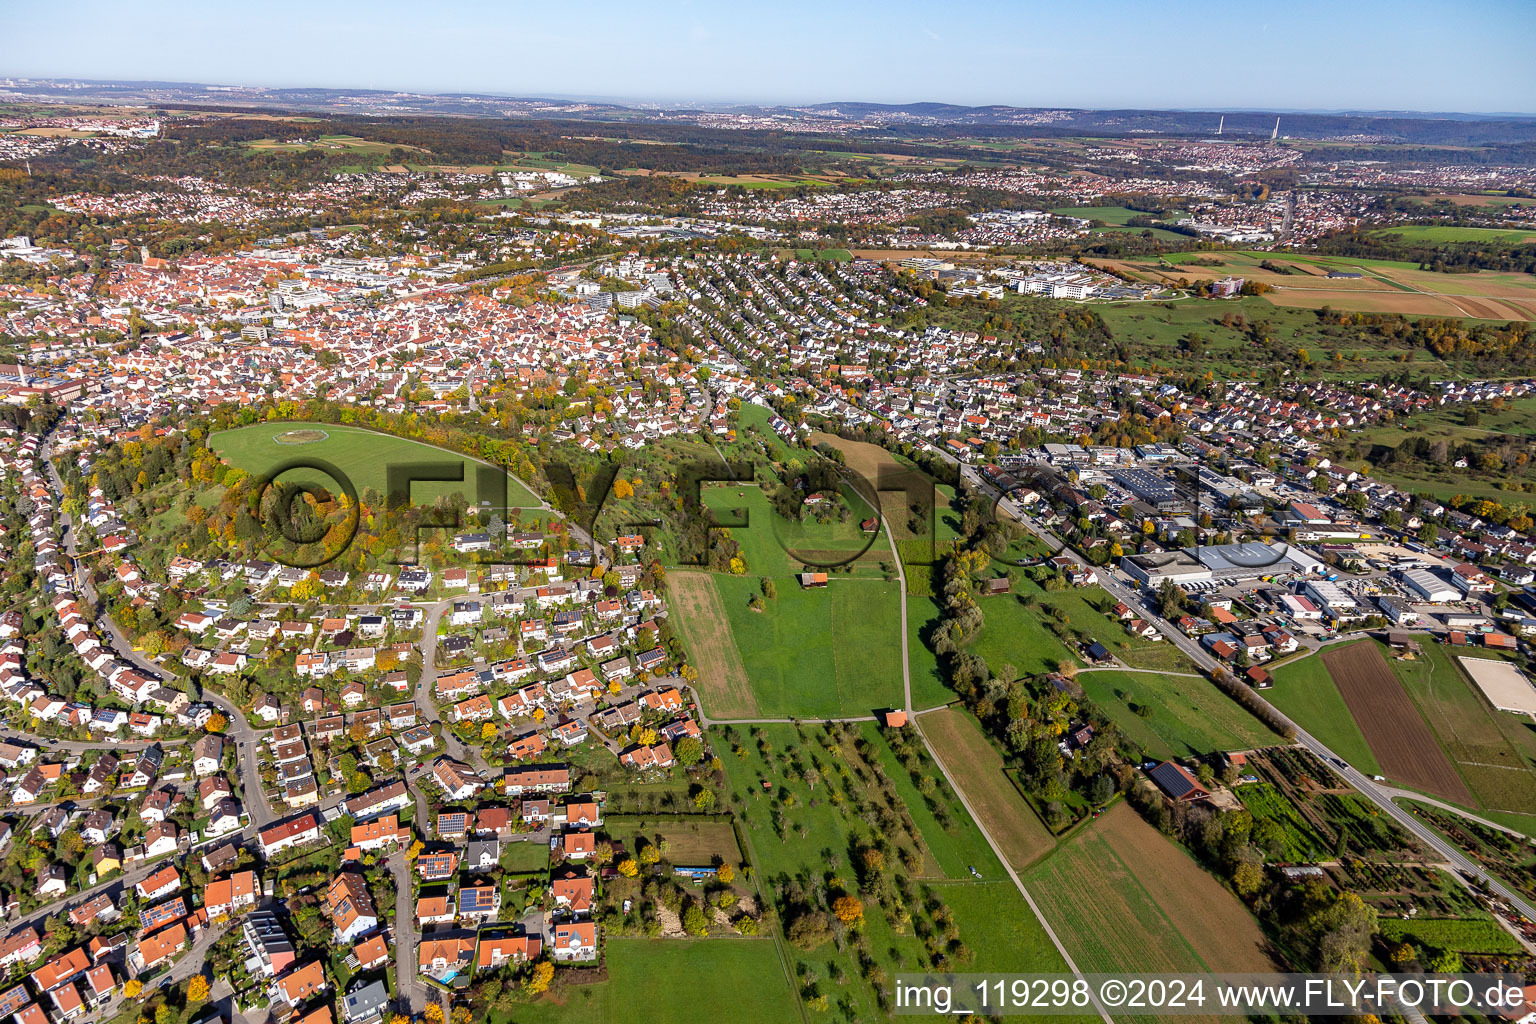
473 556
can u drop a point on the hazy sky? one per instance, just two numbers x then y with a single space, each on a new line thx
1466 55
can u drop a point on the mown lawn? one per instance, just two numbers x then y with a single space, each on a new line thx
1014 635
365 457
666 981
1187 715
832 652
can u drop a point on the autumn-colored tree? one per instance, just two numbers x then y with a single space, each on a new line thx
307 589
628 868
217 722
849 909
538 981
197 989
726 873
488 732
433 1013
1247 877
649 854
623 489
132 987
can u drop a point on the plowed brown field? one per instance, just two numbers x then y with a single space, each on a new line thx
1392 725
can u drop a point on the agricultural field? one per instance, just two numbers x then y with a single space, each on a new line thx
364 456
1384 286
1398 736
1115 218
690 842
775 546
1155 329
832 652
671 979
1107 214
335 143
957 740
1491 750
949 832
1122 896
1308 695
1433 233
1014 634
1513 416
1481 936
929 689
1312 815
1442 732
834 255
1489 199
1173 716
807 798
753 424
724 688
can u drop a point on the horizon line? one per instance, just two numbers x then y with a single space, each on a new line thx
676 103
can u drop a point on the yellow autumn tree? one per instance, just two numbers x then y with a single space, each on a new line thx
538 981
849 909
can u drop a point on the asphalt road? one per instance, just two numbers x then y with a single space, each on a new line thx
1379 795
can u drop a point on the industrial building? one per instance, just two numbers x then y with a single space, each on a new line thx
1253 558
1151 570
1430 586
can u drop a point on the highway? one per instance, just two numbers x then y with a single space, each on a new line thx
1381 796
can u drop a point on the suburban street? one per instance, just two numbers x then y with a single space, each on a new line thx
402 927
239 731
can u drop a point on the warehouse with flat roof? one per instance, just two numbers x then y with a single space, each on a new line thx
1152 569
1430 586
1254 558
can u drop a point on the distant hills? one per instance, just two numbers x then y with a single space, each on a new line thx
1404 127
